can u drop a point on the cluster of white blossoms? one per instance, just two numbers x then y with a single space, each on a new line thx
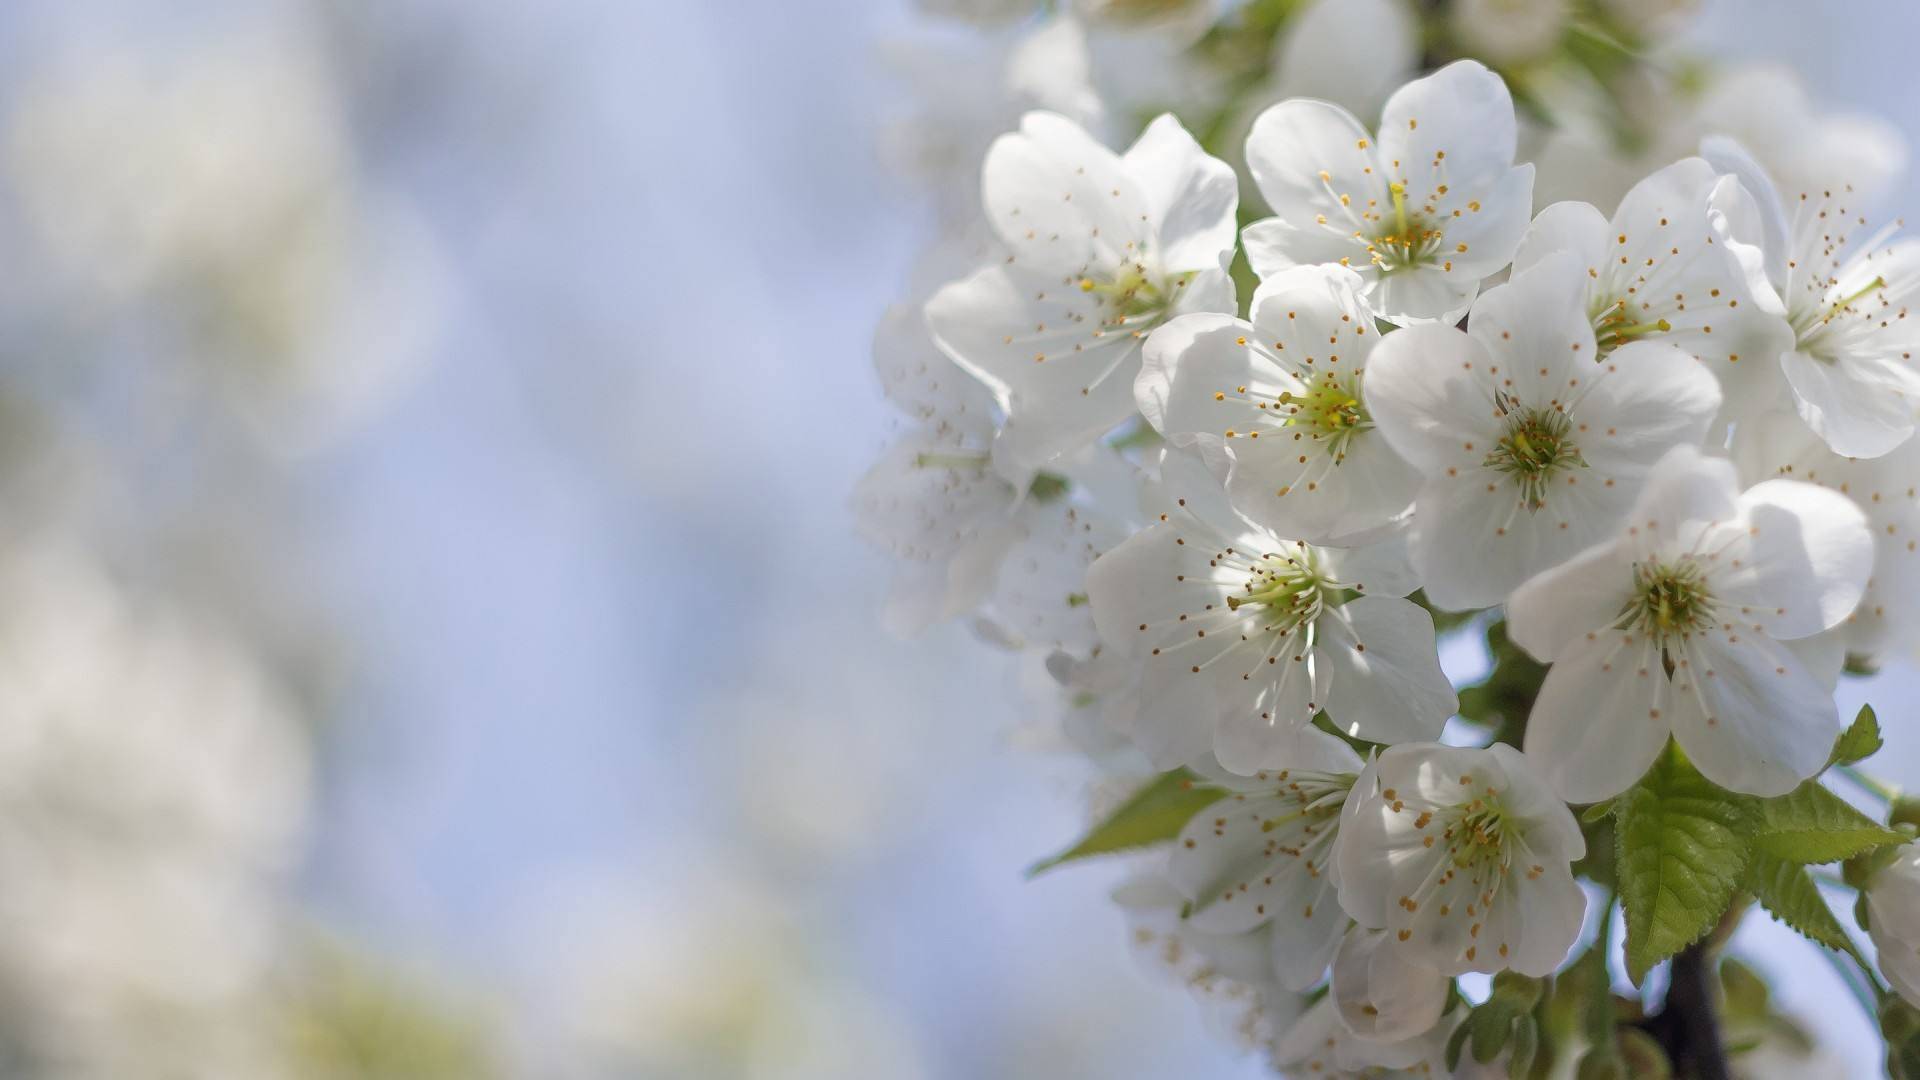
1667 446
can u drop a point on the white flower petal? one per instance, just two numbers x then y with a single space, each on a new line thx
1535 327
1573 227
1762 221
1304 155
1060 200
1189 194
1422 294
1642 400
1381 994
1353 53
1352 499
1863 406
1805 557
1455 126
1554 609
1188 361
1428 391
1599 723
1386 683
1686 493
1481 241
1752 719
1043 364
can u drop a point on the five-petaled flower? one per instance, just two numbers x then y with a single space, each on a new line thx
1424 212
1102 248
1533 446
1681 624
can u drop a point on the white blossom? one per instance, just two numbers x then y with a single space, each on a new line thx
1263 855
1678 624
1893 921
1104 248
1666 268
1533 444
1245 636
1319 1044
1463 856
1778 444
1423 212
1275 405
1851 367
1383 993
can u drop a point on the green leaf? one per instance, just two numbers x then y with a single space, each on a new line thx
1813 825
1789 894
1860 741
1681 848
1596 812
1154 814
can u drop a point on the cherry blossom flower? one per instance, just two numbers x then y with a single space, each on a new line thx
1423 212
1779 445
1245 636
1893 921
1532 444
1851 367
1665 268
968 537
1264 855
1275 406
1678 625
1385 996
1103 248
1462 855
1319 1044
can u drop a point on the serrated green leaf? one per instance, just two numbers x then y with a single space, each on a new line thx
1860 741
1789 894
1156 813
1681 849
1813 825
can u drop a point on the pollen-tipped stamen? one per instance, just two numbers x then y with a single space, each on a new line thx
1670 600
1535 450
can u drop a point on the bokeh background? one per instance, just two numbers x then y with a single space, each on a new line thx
433 640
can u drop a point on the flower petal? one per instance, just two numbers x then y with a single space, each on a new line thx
1598 723
1060 200
1556 608
1863 406
1574 227
1803 561
1383 995
1386 683
1190 195
1454 127
1755 721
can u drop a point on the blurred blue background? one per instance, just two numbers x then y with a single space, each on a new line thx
615 753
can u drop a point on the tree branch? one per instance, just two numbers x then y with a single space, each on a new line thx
1688 1028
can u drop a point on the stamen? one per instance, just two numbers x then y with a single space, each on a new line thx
1534 451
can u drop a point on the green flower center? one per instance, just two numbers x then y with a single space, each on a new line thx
1133 293
1535 450
1329 408
1669 600
1407 241
1290 589
1613 326
1478 834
